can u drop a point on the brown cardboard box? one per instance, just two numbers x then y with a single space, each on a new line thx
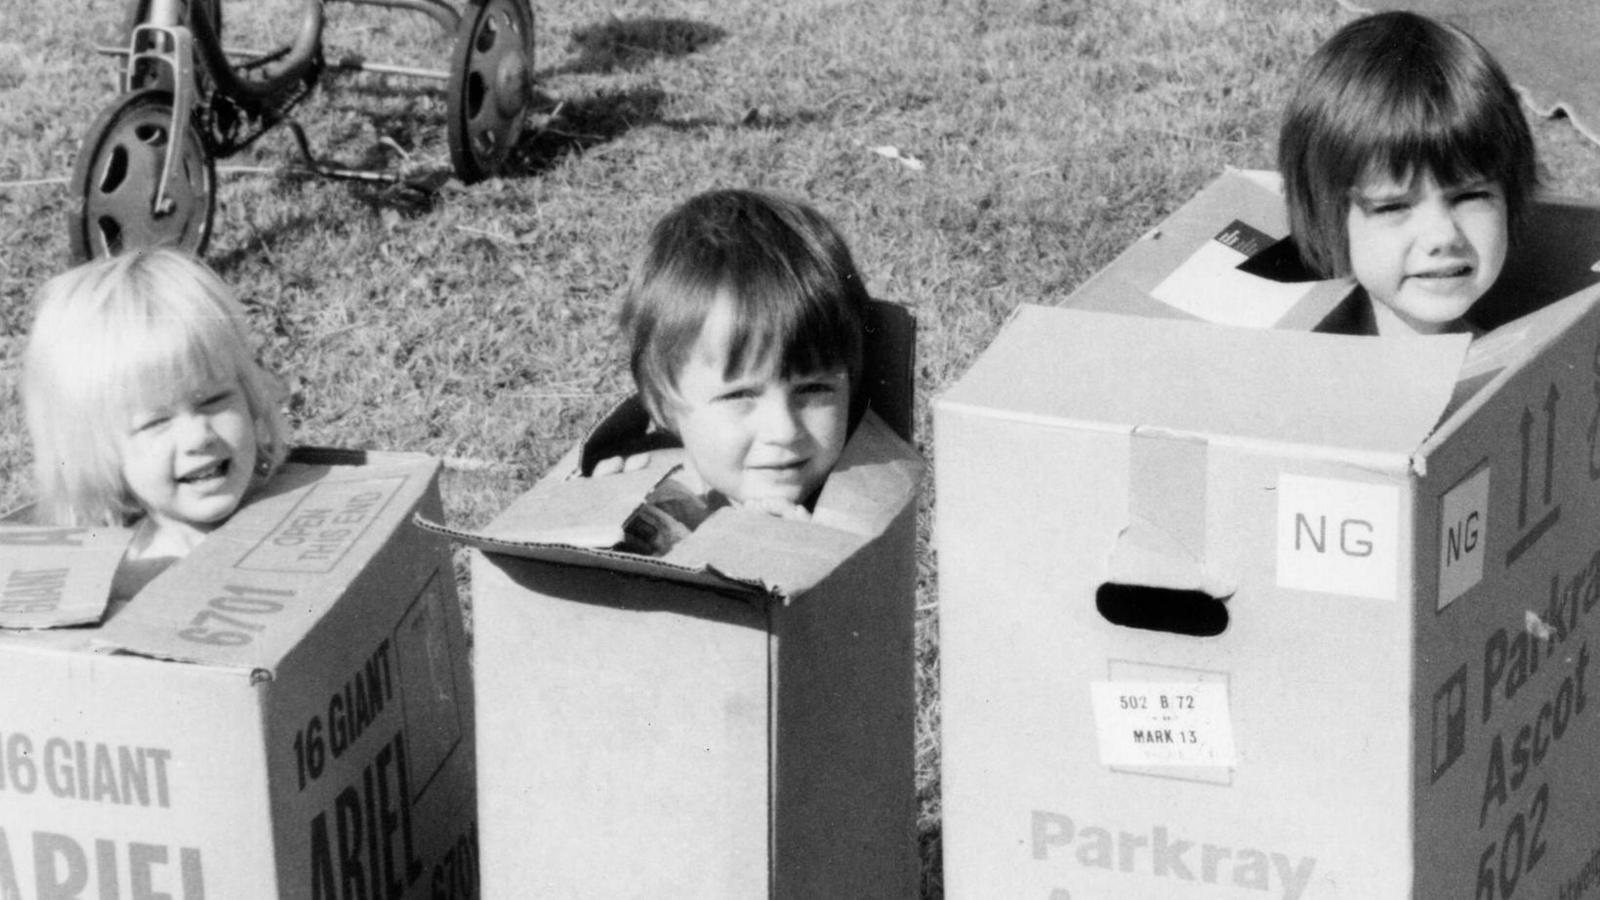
732 720
1232 612
286 712
1197 263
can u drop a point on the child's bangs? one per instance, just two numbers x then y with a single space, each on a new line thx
170 358
1452 152
789 334
1454 124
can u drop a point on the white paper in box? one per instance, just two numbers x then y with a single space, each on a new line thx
1196 263
286 712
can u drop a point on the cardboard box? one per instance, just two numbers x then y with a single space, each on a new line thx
735 719
1232 612
286 712
1220 257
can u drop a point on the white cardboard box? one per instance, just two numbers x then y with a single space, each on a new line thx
286 712
1233 612
734 720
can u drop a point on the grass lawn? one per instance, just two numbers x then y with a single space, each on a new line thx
1031 140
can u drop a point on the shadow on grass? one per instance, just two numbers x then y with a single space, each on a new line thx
623 45
581 124
570 126
573 127
411 199
224 264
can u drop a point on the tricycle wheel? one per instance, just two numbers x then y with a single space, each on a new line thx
491 82
118 169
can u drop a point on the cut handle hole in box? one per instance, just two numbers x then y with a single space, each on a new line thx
1186 612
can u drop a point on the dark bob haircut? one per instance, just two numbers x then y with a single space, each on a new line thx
1401 94
798 301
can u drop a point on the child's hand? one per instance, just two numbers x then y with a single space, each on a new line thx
776 506
616 465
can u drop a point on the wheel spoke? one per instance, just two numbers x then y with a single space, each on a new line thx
118 171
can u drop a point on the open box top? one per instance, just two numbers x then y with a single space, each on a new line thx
1170 336
258 556
1226 256
1341 539
575 520
1209 381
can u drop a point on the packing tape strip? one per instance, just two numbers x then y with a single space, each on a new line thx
1167 487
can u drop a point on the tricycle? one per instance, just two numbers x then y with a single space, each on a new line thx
145 172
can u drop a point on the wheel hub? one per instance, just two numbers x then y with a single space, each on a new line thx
511 85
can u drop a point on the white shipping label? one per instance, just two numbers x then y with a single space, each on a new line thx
1163 723
1463 532
1338 537
1210 285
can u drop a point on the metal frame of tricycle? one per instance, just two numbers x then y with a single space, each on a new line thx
172 44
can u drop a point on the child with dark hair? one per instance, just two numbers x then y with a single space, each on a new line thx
1407 165
745 318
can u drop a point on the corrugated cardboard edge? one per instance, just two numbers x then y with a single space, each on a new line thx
877 475
262 668
75 564
599 558
1431 398
1549 324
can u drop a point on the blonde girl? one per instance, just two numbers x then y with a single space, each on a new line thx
145 405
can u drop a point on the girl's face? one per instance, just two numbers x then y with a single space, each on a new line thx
189 458
757 436
1426 252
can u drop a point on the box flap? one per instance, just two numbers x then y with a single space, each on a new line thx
1501 353
254 587
889 365
577 520
1514 343
1221 257
582 512
52 577
1281 387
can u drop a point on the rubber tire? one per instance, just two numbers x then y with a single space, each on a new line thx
115 175
473 111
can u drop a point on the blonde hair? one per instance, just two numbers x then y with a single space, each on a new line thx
114 334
